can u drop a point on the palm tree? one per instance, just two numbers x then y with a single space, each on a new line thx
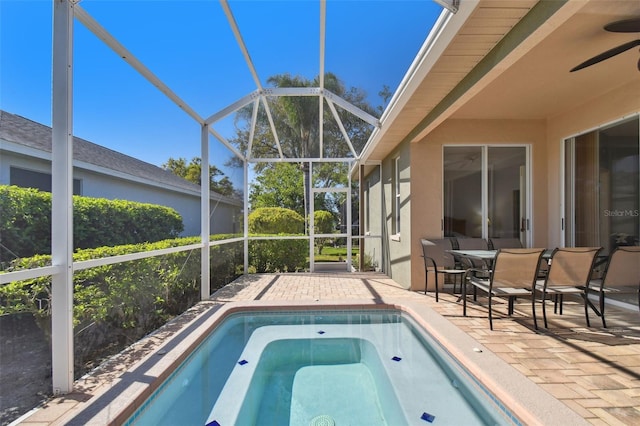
296 120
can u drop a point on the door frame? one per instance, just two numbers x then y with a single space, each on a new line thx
527 185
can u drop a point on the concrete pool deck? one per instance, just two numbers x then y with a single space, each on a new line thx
568 374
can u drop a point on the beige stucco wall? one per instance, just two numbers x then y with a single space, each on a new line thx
397 256
426 176
615 105
546 140
422 174
372 193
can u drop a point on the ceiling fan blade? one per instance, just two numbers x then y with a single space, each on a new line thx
608 54
625 26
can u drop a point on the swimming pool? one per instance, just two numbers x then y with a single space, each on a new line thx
362 367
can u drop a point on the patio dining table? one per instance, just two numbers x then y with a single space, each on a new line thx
484 255
487 256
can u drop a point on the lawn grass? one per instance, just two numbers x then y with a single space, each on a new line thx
335 254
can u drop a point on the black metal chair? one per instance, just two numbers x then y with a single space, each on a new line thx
622 276
440 262
513 275
569 273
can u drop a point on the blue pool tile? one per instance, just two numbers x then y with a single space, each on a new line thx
396 358
243 362
428 417
321 332
213 423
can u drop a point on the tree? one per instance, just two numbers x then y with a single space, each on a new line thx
191 172
279 186
324 223
282 186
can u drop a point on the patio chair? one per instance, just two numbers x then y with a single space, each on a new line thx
472 244
621 276
500 243
569 273
439 261
513 275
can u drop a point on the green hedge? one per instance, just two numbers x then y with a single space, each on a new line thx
278 255
115 305
25 222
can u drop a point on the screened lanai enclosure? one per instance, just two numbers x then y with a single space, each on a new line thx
256 117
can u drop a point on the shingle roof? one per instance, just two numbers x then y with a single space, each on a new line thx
20 130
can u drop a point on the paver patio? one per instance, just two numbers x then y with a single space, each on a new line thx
594 371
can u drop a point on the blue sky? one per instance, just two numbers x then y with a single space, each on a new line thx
190 46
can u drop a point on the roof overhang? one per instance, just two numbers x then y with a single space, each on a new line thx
509 60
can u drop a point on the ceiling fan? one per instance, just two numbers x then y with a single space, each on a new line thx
625 26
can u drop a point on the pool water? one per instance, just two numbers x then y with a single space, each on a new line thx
297 380
299 376
322 367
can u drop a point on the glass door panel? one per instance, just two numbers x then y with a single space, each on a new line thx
486 192
620 185
602 187
506 167
463 191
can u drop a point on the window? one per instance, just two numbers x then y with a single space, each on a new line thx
396 195
367 206
37 180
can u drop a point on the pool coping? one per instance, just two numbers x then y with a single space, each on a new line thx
115 401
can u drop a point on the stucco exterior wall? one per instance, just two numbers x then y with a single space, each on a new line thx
103 186
398 257
427 175
601 111
373 220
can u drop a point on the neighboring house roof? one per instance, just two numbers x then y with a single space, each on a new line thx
28 133
507 60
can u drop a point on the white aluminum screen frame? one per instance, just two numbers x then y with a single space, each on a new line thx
63 266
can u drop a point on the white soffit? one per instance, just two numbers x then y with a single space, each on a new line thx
457 46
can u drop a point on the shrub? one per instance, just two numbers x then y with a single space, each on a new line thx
99 222
25 222
278 255
117 304
324 223
275 220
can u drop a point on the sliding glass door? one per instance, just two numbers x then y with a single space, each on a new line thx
602 187
486 192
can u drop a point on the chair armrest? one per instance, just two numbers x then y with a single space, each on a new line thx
478 273
481 283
